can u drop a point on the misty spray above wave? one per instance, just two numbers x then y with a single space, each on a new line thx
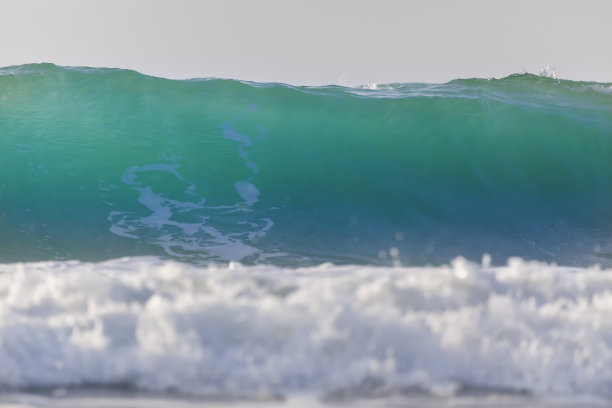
101 163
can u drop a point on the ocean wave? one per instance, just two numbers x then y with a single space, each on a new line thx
104 163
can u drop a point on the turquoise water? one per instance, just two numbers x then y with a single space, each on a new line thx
102 163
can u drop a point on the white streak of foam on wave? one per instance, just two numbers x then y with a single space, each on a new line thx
196 240
160 325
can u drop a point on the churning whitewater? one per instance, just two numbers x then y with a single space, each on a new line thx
231 239
353 331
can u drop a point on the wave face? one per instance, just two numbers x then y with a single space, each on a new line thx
335 331
103 163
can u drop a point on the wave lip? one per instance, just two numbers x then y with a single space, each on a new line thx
161 326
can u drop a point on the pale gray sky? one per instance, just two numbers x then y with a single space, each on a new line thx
314 41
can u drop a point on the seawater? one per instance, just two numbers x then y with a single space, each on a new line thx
103 163
230 239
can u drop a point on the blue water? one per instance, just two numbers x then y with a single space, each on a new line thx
101 163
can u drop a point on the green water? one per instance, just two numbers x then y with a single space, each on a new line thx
101 163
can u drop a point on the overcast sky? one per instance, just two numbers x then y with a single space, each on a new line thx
314 41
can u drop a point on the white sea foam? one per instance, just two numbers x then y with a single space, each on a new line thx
186 240
236 330
247 191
